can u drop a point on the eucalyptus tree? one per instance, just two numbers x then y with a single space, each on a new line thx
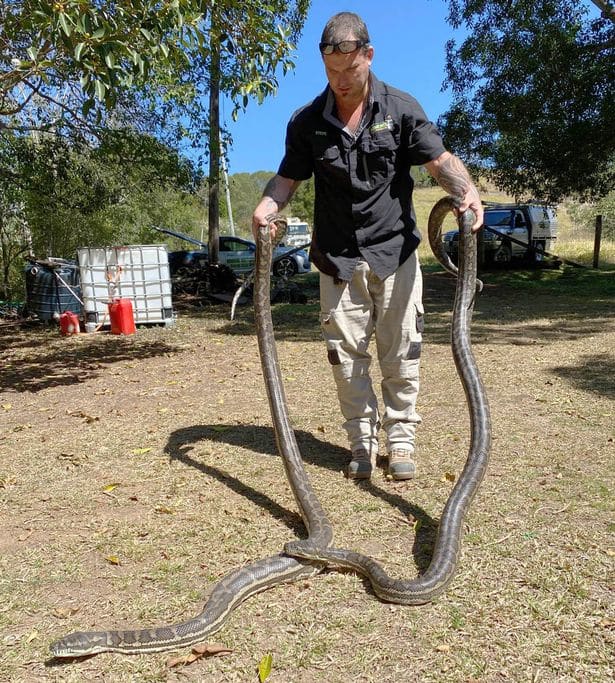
534 94
74 68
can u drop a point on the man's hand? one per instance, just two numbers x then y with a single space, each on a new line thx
276 196
453 176
472 201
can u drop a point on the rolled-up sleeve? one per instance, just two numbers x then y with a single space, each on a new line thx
424 141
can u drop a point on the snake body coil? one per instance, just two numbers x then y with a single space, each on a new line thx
313 554
258 576
448 543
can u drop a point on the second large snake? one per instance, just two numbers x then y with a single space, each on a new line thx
448 542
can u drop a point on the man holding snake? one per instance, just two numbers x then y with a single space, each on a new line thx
359 138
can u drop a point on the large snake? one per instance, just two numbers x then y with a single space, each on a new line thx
258 576
448 542
314 552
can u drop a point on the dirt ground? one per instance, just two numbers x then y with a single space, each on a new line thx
136 472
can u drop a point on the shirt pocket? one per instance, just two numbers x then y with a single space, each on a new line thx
328 160
377 162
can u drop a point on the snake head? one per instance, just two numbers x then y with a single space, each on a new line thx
281 226
303 549
79 644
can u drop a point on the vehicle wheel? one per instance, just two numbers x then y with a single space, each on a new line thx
285 267
503 254
539 252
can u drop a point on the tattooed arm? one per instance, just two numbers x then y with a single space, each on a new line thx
452 176
277 194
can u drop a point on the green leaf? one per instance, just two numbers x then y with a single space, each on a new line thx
99 33
66 27
79 50
146 34
32 52
86 107
264 667
100 90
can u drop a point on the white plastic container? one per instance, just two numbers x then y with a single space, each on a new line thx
136 272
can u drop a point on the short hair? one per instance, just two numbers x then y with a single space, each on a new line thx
341 25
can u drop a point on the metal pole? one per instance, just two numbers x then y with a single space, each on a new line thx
229 208
597 239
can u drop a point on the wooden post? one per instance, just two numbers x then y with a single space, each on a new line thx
597 239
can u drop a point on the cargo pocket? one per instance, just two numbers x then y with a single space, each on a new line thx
419 313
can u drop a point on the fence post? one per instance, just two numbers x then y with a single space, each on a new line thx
597 239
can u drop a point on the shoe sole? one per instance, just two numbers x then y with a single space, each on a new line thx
402 476
358 475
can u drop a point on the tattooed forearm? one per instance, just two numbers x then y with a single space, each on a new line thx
279 192
453 177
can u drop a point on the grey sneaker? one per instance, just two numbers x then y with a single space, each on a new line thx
401 465
360 467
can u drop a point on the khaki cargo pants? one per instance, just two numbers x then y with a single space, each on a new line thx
391 311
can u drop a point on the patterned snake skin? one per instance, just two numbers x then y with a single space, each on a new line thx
448 543
307 558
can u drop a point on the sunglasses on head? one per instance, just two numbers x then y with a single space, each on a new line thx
344 46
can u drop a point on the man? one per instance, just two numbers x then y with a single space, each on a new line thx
359 139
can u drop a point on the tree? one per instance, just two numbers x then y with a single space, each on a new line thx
149 62
147 57
57 195
534 95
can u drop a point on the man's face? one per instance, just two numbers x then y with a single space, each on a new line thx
348 75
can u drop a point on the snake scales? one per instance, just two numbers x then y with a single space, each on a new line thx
306 558
448 542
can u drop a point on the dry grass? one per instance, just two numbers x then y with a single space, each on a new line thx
178 421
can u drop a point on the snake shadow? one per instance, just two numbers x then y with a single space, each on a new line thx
315 452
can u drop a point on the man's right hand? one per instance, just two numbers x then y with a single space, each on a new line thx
276 196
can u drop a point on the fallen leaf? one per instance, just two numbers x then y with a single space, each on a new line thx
7 406
113 559
449 476
211 649
109 487
163 509
198 652
140 451
65 612
264 667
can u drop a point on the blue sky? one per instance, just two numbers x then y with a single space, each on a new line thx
409 38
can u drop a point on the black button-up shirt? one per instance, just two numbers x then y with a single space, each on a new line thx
363 206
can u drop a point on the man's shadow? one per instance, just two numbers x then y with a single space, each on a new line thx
314 451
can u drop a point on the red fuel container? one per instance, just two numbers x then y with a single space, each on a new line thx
69 323
122 319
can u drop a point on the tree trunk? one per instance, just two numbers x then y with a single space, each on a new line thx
214 143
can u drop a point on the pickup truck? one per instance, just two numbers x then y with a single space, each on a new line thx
512 231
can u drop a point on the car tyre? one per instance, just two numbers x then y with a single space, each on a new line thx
285 267
539 252
503 255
